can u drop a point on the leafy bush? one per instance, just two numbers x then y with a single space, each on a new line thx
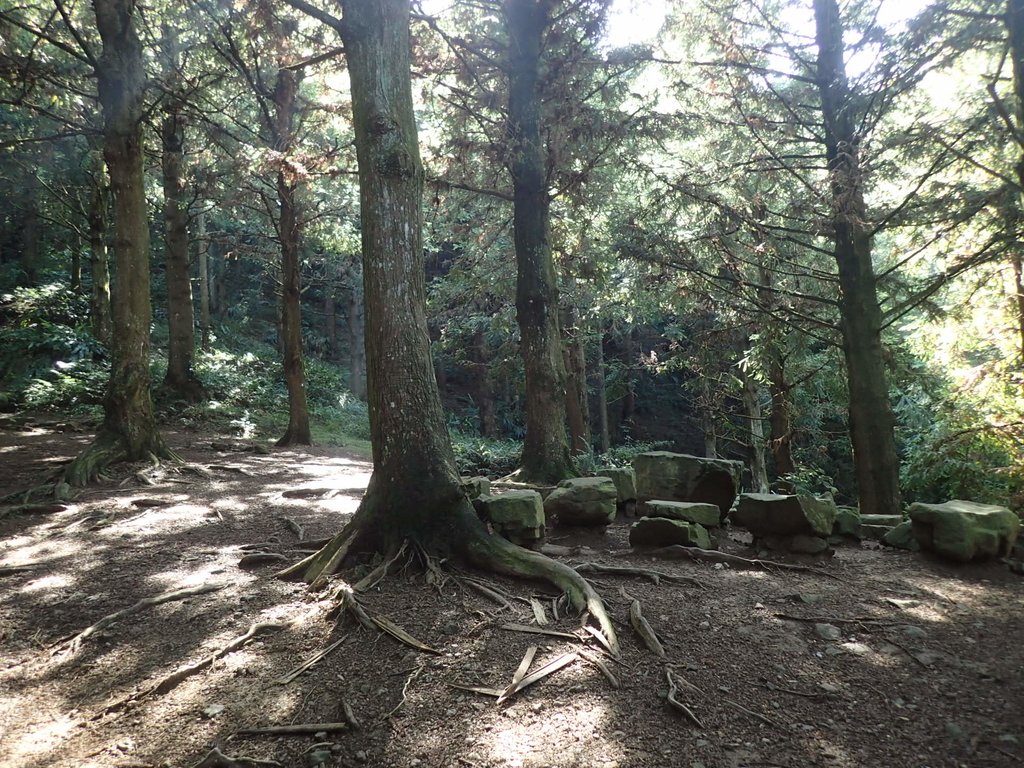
49 358
479 456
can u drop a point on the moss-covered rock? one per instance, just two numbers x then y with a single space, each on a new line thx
681 477
624 479
516 515
662 532
901 537
687 511
583 501
474 487
770 514
847 523
963 530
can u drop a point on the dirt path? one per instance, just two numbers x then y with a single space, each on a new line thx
927 668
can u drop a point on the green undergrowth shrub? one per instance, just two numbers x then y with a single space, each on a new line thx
49 359
482 456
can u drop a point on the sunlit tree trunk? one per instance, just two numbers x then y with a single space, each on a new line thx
872 424
129 428
752 406
545 447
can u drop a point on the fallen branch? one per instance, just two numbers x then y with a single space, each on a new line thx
676 704
488 592
217 759
531 630
350 604
838 620
597 662
405 691
756 715
494 692
520 673
645 630
261 558
183 673
147 602
309 663
11 570
548 669
296 729
538 612
679 552
654 576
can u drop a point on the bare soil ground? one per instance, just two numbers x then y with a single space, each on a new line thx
927 670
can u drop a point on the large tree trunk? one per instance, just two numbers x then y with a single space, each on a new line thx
545 447
128 431
414 492
872 424
99 301
180 382
203 252
290 231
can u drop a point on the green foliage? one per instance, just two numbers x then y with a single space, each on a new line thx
479 456
48 355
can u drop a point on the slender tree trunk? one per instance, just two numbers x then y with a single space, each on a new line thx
203 253
330 312
545 448
180 382
290 231
781 420
628 410
872 424
1018 284
31 232
602 397
129 428
99 302
76 264
356 333
708 418
576 410
752 405
484 386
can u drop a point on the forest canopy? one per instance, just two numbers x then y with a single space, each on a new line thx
787 233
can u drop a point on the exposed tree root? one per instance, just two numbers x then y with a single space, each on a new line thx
655 576
12 570
217 759
74 643
679 552
496 554
181 674
645 630
347 602
297 729
310 662
675 703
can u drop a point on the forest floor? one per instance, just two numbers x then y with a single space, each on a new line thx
925 668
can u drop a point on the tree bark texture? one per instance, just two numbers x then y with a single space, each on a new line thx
545 447
129 428
180 381
752 405
203 257
576 406
99 297
290 233
356 332
872 424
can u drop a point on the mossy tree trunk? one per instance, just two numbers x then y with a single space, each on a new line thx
546 446
129 430
872 423
414 492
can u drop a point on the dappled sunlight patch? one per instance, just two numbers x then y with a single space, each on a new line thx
43 737
556 729
162 521
48 583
